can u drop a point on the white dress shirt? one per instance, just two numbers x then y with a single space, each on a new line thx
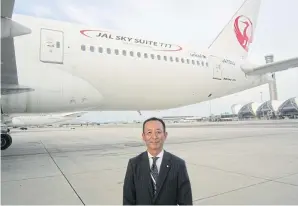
158 161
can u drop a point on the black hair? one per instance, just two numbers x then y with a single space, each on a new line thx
154 119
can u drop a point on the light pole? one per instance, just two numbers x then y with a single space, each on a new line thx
261 96
210 107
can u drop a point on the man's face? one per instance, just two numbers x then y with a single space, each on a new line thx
154 135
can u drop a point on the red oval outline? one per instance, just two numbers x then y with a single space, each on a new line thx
85 30
179 49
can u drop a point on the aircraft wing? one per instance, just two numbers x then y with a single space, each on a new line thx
74 114
8 64
49 115
9 74
272 67
7 8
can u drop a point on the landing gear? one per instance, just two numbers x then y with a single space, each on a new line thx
5 141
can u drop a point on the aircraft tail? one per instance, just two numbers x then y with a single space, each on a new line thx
235 38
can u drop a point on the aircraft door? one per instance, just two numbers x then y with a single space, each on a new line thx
215 63
51 46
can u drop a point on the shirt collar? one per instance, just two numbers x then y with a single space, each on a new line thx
160 155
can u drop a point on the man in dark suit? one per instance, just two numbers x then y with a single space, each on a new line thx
156 177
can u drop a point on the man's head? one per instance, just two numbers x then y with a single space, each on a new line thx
154 134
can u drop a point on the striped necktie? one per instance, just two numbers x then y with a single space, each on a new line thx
154 173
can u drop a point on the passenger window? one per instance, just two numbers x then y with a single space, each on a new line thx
193 62
58 44
100 50
116 51
187 61
206 64
146 55
198 63
139 54
158 57
83 47
202 63
92 48
165 58
108 50
124 52
152 56
131 53
182 60
177 59
171 58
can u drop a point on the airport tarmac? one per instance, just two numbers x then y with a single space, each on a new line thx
228 163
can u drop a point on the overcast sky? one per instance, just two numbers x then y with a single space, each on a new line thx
188 22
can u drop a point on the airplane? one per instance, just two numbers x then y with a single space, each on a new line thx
53 66
24 120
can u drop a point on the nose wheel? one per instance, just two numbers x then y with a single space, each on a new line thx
6 141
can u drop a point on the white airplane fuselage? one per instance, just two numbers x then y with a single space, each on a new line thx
64 65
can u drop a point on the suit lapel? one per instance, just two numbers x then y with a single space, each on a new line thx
164 169
145 172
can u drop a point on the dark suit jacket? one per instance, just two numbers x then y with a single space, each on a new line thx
173 184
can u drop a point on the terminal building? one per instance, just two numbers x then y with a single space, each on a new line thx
271 109
248 111
289 108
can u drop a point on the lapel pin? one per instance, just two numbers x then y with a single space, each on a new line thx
168 166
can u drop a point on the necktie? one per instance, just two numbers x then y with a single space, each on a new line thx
154 173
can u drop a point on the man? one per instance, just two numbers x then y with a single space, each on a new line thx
156 177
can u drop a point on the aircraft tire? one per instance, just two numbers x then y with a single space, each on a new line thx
6 141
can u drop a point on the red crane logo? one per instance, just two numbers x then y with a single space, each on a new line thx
243 29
